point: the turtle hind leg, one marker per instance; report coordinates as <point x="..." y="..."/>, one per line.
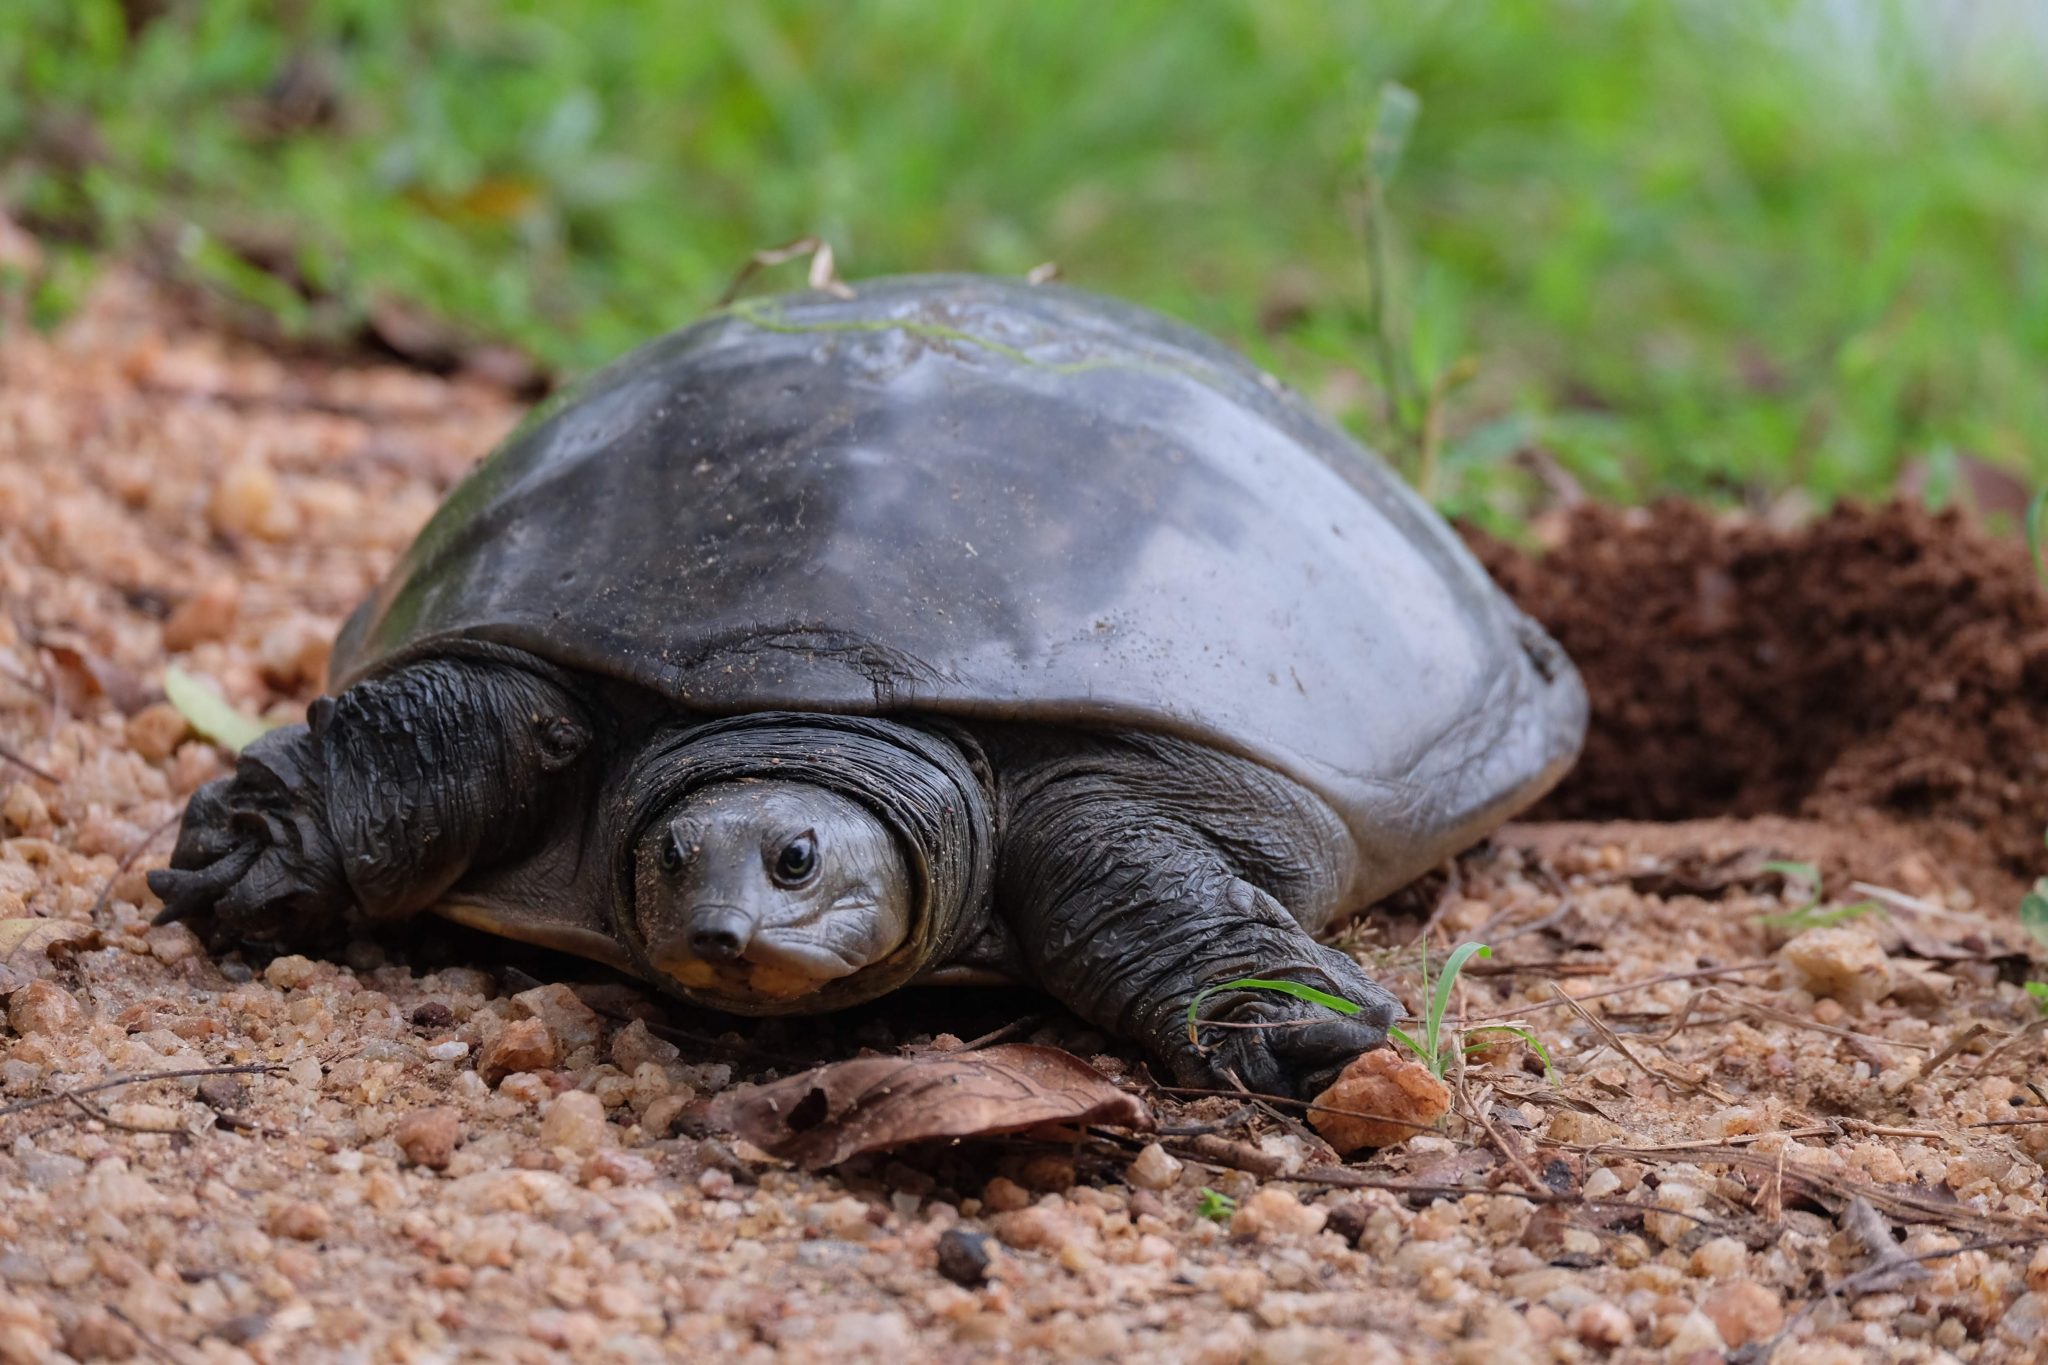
<point x="388" y="795"/>
<point x="1130" y="900"/>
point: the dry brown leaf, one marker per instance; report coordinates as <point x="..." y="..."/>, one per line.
<point x="81" y="675"/>
<point x="869" y="1104"/>
<point x="25" y="945"/>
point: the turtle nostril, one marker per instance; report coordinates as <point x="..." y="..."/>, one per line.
<point x="715" y="945"/>
<point x="719" y="933"/>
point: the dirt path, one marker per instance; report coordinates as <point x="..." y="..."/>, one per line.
<point x="1781" y="1129"/>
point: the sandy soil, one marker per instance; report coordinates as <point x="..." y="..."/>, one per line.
<point x="1767" y="1137"/>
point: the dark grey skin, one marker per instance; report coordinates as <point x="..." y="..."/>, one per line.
<point x="1083" y="654"/>
<point x="1134" y="871"/>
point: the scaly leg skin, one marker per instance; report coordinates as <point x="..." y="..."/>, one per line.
<point x="1125" y="882"/>
<point x="389" y="794"/>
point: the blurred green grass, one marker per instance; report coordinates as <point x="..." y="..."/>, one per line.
<point x="1716" y="247"/>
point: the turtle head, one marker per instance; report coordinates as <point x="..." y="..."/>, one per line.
<point x="769" y="887"/>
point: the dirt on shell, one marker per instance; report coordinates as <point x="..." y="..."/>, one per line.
<point x="1883" y="669"/>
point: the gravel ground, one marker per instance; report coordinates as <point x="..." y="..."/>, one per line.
<point x="1807" y="1142"/>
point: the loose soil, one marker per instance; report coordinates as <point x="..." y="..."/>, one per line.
<point x="1774" y="1129"/>
<point x="1883" y="669"/>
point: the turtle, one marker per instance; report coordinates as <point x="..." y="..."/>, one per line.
<point x="945" y="630"/>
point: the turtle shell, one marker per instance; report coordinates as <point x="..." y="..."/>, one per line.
<point x="987" y="499"/>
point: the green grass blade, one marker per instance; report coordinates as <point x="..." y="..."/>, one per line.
<point x="1407" y="1040"/>
<point x="2036" y="505"/>
<point x="1440" y="998"/>
<point x="1526" y="1035"/>
<point x="208" y="714"/>
<point x="2034" y="910"/>
<point x="1254" y="983"/>
<point x="2039" y="990"/>
<point x="1393" y="121"/>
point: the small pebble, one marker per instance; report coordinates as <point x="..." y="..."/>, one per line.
<point x="1841" y="963"/>
<point x="963" y="1256"/>
<point x="99" y="1335"/>
<point x="207" y="615"/>
<point x="1002" y="1195"/>
<point x="522" y="1045"/>
<point x="1719" y="1258"/>
<point x="1601" y="1324"/>
<point x="1274" y="1212"/>
<point x="434" y="1014"/>
<point x="301" y="1220"/>
<point x="43" y="1007"/>
<point x="1348" y="1220"/>
<point x="1743" y="1311"/>
<point x="249" y="502"/>
<point x="576" y="1120"/>
<point x="156" y="731"/>
<point x="571" y="1023"/>
<point x="1401" y="1094"/>
<point x="1695" y="1332"/>
<point x="635" y="1046"/>
<point x="428" y="1136"/>
<point x="290" y="972"/>
<point x="448" y="1050"/>
<point x="1154" y="1169"/>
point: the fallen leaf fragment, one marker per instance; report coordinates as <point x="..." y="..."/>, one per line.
<point x="1399" y="1094"/>
<point x="870" y="1104"/>
<point x="25" y="945"/>
<point x="209" y="714"/>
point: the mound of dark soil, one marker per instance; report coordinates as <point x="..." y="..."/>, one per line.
<point x="1880" y="661"/>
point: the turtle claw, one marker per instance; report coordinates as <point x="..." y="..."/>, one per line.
<point x="253" y="858"/>
<point x="1271" y="1044"/>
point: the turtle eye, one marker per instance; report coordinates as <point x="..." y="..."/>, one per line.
<point x="671" y="855"/>
<point x="798" y="861"/>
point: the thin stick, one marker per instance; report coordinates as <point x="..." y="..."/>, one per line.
<point x="1308" y="1105"/>
<point x="8" y="755"/>
<point x="1961" y="1039"/>
<point x="139" y="1078"/>
<point x="1014" y="1028"/>
<point x="129" y="860"/>
<point x="1791" y="1020"/>
<point x="2010" y="1043"/>
<point x="1699" y="975"/>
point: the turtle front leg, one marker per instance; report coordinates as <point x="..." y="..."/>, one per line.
<point x="388" y="795"/>
<point x="1127" y="909"/>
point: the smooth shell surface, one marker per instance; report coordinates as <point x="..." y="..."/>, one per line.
<point x="989" y="499"/>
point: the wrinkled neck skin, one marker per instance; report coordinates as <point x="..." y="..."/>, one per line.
<point x="786" y="863"/>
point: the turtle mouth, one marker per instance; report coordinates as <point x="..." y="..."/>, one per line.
<point x="768" y="968"/>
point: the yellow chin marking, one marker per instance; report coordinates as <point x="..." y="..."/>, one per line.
<point x="780" y="983"/>
<point x="761" y="979"/>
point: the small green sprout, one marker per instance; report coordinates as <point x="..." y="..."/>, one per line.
<point x="2039" y="990"/>
<point x="1811" y="915"/>
<point x="1215" y="1206"/>
<point x="1431" y="1047"/>
<point x="2034" y="910"/>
